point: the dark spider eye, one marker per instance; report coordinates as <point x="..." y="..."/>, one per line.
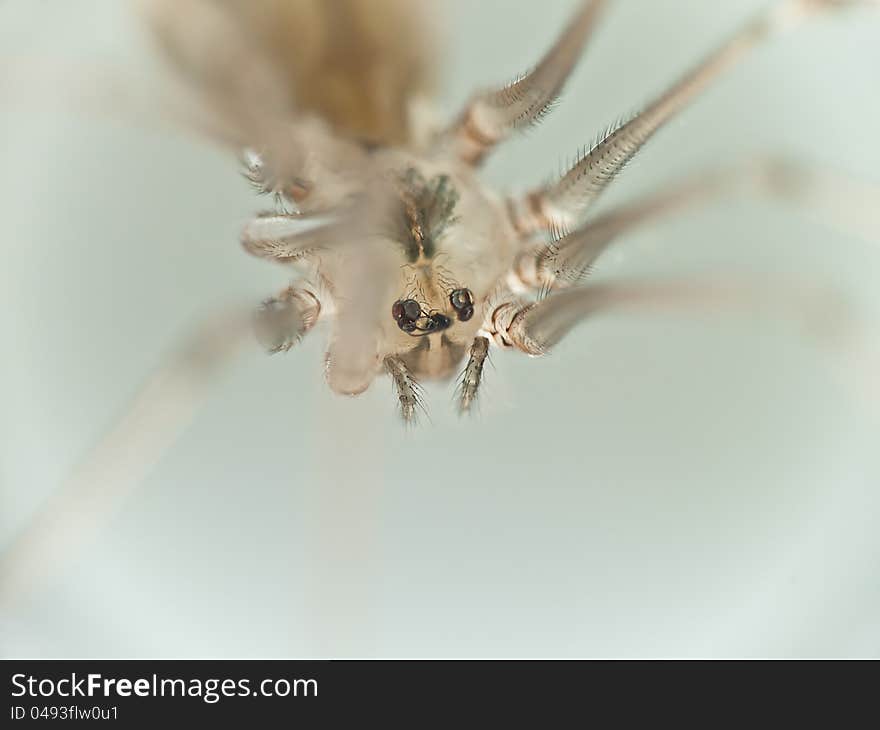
<point x="439" y="322"/>
<point x="406" y="309"/>
<point x="461" y="298"/>
<point x="406" y="313"/>
<point x="412" y="309"/>
<point x="462" y="301"/>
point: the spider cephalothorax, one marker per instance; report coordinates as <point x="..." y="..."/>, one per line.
<point x="428" y="210"/>
<point x="411" y="258"/>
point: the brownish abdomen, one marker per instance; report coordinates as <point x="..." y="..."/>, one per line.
<point x="360" y="64"/>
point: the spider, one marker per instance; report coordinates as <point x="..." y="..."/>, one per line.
<point x="380" y="214"/>
<point x="416" y="264"/>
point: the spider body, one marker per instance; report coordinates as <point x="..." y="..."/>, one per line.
<point x="395" y="240"/>
<point x="437" y="241"/>
<point x="456" y="239"/>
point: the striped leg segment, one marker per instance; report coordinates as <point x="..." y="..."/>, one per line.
<point x="282" y="321"/>
<point x="408" y="392"/>
<point x="494" y="115"/>
<point x="564" y="202"/>
<point x="536" y="327"/>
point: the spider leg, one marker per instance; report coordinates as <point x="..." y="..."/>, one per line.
<point x="281" y="322"/>
<point x="563" y="203"/>
<point x="843" y="202"/>
<point x="302" y="164"/>
<point x="243" y="99"/>
<point x="407" y="388"/>
<point x="121" y="459"/>
<point x="287" y="238"/>
<point x="472" y="376"/>
<point x="536" y="327"/>
<point x="568" y="258"/>
<point x="491" y="116"/>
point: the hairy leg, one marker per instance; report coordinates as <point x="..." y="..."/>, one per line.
<point x="472" y="377"/>
<point x="565" y="201"/>
<point x="407" y="388"/>
<point x="491" y="116"/>
<point x="843" y="202"/>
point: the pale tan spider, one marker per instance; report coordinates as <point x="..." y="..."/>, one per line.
<point x="397" y="242"/>
<point x="417" y="266"/>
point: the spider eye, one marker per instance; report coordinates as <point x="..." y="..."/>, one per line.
<point x="412" y="309"/>
<point x="406" y="313"/>
<point x="462" y="301"/>
<point x="461" y="298"/>
<point x="439" y="322"/>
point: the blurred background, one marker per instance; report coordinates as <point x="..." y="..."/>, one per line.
<point x="667" y="485"/>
